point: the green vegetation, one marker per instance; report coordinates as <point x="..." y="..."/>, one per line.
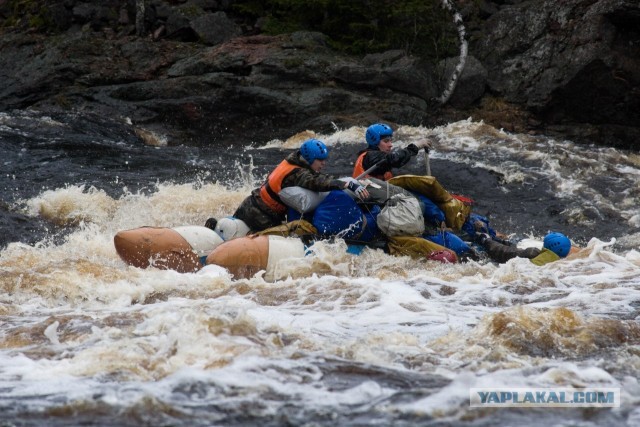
<point x="420" y="27"/>
<point x="28" y="14"/>
<point x="191" y="11"/>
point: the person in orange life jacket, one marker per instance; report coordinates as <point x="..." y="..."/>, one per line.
<point x="264" y="209"/>
<point x="379" y="151"/>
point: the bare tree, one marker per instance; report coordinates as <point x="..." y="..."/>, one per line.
<point x="457" y="19"/>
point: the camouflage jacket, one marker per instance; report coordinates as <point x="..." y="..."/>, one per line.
<point x="305" y="177"/>
<point x="258" y="216"/>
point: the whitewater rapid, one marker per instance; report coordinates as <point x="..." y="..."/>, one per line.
<point x="336" y="339"/>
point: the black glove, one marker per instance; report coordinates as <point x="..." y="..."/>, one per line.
<point x="211" y="223"/>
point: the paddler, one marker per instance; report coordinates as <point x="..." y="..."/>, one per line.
<point x="264" y="209"/>
<point x="554" y="247"/>
<point x="379" y="151"/>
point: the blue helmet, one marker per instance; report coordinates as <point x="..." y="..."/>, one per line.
<point x="376" y="132"/>
<point x="557" y="243"/>
<point x="313" y="149"/>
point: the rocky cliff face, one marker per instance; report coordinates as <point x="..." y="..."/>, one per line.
<point x="574" y="64"/>
<point x="198" y="75"/>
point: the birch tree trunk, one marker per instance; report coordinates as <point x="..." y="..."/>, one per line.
<point x="453" y="80"/>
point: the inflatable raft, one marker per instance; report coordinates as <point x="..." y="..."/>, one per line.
<point x="332" y="214"/>
<point x="245" y="256"/>
<point x="187" y="249"/>
<point x="179" y="248"/>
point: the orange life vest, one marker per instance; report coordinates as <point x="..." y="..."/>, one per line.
<point x="272" y="186"/>
<point x="358" y="169"/>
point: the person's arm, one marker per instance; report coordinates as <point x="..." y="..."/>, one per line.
<point x="401" y="156"/>
<point x="314" y="181"/>
<point x="374" y="157"/>
<point x="398" y="157"/>
<point x="502" y="253"/>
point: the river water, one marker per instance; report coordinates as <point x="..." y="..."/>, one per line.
<point x="338" y="339"/>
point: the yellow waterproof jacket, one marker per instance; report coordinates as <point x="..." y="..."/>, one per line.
<point x="545" y="257"/>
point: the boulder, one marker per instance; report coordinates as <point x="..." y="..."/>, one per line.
<point x="571" y="67"/>
<point x="573" y="63"/>
<point x="215" y="28"/>
<point x="470" y="85"/>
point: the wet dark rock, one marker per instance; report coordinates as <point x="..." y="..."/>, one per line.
<point x="569" y="68"/>
<point x="471" y="83"/>
<point x="446" y="290"/>
<point x="400" y="73"/>
<point x="338" y="374"/>
<point x="425" y="294"/>
<point x="215" y="28"/>
<point x="572" y="63"/>
<point x="486" y="9"/>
